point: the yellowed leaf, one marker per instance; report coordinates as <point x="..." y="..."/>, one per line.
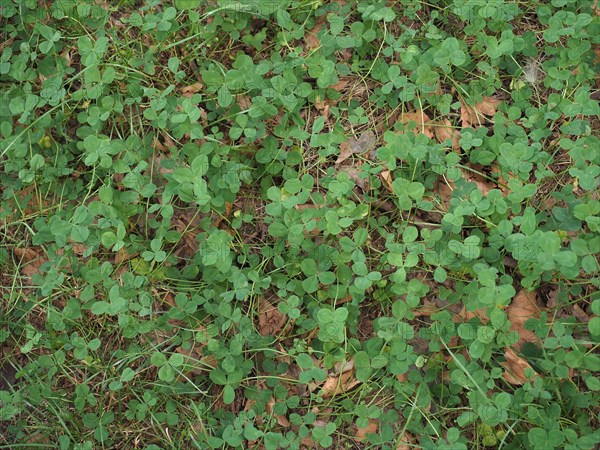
<point x="524" y="306"/>
<point x="514" y="368"/>
<point x="361" y="433"/>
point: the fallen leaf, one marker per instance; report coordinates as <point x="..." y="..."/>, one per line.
<point x="579" y="313"/>
<point x="340" y="85"/>
<point x="196" y="362"/>
<point x="386" y="177"/>
<point x="323" y="107"/>
<point x="476" y="115"/>
<point x="339" y="384"/>
<point x="482" y="182"/>
<point x="354" y="173"/>
<point x="402" y="377"/>
<point x="426" y="309"/>
<point x="189" y="91"/>
<point x="524" y="306"/>
<point x="343" y="366"/>
<point x="270" y="320"/>
<point x="423" y="125"/>
<point x="444" y="130"/>
<point x="445" y="187"/>
<point x="466" y="315"/>
<point x="244" y="101"/>
<point x="281" y="420"/>
<point x="31" y="259"/>
<point x="406" y="442"/>
<point x="311" y="41"/>
<point x="515" y="366"/>
<point x="307" y="442"/>
<point x="365" y="143"/>
<point x="361" y="433"/>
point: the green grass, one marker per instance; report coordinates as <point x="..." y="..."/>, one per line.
<point x="299" y="224"/>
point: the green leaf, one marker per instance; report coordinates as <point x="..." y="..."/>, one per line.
<point x="166" y="373"/>
<point x="158" y="359"/>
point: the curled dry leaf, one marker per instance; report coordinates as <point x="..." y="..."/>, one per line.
<point x="423" y="123"/>
<point x="523" y="307"/>
<point x="476" y="115"/>
<point x="386" y="177"/>
<point x="361" y="433"/>
<point x="515" y="366"/>
<point x="365" y="143"/>
<point x="270" y="320"/>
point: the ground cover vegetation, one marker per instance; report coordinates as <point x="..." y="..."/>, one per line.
<point x="295" y="224"/>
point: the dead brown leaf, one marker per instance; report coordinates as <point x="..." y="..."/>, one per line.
<point x="482" y="182"/>
<point x="311" y="41"/>
<point x="343" y="366"/>
<point x="270" y="320"/>
<point x="579" y="313"/>
<point x="423" y="123"/>
<point x="477" y="114"/>
<point x="354" y="173"/>
<point x="339" y="384"/>
<point x="523" y="307"/>
<point x="340" y="85"/>
<point x="426" y="309"/>
<point x="444" y="131"/>
<point x="515" y="366"/>
<point x="361" y="433"/>
<point x="365" y="143"/>
<point x="189" y="91"/>
<point x="281" y="420"/>
<point x="323" y="107"/>
<point x="31" y="259"/>
<point x="445" y="187"/>
<point x="466" y="315"/>
<point x="402" y="377"/>
<point x="406" y="442"/>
